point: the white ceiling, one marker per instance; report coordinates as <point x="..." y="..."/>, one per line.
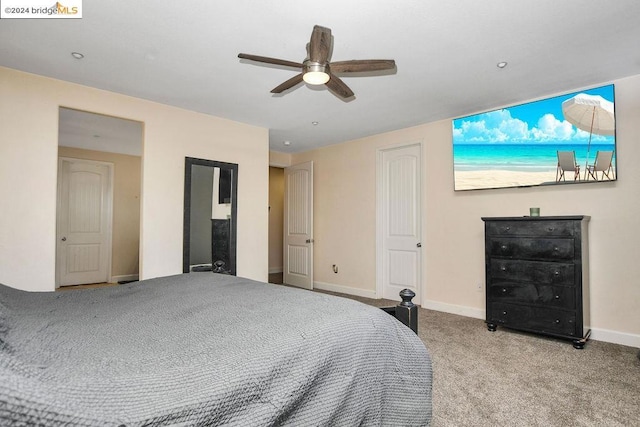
<point x="185" y="54"/>
<point x="90" y="131"/>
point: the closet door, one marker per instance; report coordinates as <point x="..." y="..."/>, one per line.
<point x="83" y="250"/>
<point x="298" y="226"/>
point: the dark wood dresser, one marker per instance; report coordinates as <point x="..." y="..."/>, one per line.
<point x="537" y="275"/>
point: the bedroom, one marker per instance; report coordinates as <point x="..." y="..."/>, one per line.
<point x="452" y="229"/>
<point x="452" y="220"/>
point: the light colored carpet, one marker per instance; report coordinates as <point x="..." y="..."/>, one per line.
<point x="506" y="378"/>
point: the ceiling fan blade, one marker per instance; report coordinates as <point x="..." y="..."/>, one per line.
<point x="268" y="60"/>
<point x="362" y="65"/>
<point x="288" y="84"/>
<point x="339" y="87"/>
<point x="320" y="44"/>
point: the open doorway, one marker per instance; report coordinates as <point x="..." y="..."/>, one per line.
<point x="87" y="144"/>
<point x="276" y="220"/>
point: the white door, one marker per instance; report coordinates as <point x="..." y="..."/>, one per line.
<point x="83" y="250"/>
<point x="298" y="226"/>
<point x="399" y="218"/>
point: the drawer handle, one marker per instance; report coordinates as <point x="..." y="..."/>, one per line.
<point x="503" y="268"/>
<point x="504" y="313"/>
<point x="556" y="249"/>
<point x="503" y="247"/>
<point x="507" y="228"/>
<point x="504" y="290"/>
<point x="551" y="228"/>
<point x="556" y="273"/>
<point x="557" y="321"/>
<point x="557" y="296"/>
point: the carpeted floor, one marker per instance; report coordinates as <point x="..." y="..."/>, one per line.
<point x="506" y="378"/>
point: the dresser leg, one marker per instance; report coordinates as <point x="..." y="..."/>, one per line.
<point x="492" y="327"/>
<point x="580" y="342"/>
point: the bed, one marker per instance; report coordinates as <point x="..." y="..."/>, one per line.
<point x="206" y="349"/>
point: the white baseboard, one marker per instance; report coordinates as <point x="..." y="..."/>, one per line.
<point x="461" y="310"/>
<point x="615" y="337"/>
<point x="345" y="290"/>
<point x="124" y="277"/>
<point x="273" y="270"/>
<point x="597" y="334"/>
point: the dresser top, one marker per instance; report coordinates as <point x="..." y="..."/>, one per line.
<point x="537" y="218"/>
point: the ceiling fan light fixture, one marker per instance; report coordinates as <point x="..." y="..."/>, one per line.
<point x="316" y="69"/>
<point x="315" y="73"/>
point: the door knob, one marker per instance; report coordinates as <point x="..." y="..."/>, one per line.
<point x="64" y="239"/>
<point x="419" y="245"/>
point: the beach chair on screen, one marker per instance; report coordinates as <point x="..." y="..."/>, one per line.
<point x="567" y="164"/>
<point x="603" y="164"/>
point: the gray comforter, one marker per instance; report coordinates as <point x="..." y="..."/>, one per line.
<point x="206" y="349"/>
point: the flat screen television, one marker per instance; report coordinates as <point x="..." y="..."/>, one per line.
<point x="567" y="139"/>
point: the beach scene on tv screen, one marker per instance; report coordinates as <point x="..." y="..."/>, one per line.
<point x="554" y="141"/>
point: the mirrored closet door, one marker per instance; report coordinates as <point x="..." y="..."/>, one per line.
<point x="210" y="216"/>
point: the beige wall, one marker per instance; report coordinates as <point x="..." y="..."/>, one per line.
<point x="126" y="207"/>
<point x="344" y="211"/>
<point x="453" y="241"/>
<point x="281" y="160"/>
<point x="28" y="167"/>
<point x="276" y="218"/>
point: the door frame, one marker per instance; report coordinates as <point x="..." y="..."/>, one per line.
<point x="380" y="213"/>
<point x="108" y="208"/>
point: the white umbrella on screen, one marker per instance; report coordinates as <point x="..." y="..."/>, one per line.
<point x="591" y="113"/>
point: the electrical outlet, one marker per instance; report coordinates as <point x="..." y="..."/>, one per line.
<point x="479" y="287"/>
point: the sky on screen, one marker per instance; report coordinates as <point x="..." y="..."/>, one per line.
<point x="535" y="122"/>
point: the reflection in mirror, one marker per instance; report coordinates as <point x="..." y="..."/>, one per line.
<point x="210" y="216"/>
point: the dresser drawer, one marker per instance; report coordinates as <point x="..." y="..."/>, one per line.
<point x="529" y="248"/>
<point x="531" y="293"/>
<point x="556" y="273"/>
<point x="531" y="228"/>
<point x="538" y="319"/>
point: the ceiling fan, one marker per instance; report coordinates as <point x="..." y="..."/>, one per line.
<point x="316" y="68"/>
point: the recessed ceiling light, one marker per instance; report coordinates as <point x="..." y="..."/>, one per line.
<point x="287" y="143"/>
<point x="502" y="64"/>
<point x="77" y="55"/>
<point x="315" y="123"/>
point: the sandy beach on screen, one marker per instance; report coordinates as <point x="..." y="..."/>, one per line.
<point x="469" y="180"/>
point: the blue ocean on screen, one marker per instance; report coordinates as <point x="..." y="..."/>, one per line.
<point x="520" y="157"/>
